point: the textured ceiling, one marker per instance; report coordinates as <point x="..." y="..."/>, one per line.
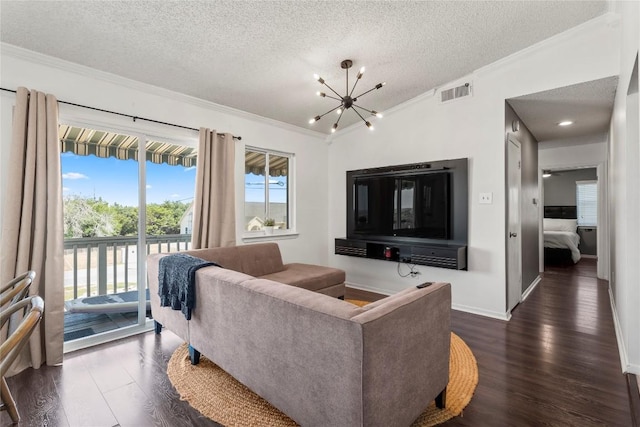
<point x="588" y="105"/>
<point x="260" y="56"/>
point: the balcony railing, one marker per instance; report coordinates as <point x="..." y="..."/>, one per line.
<point x="105" y="265"/>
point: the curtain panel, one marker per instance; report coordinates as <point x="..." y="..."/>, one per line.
<point x="32" y="227"/>
<point x="214" y="218"/>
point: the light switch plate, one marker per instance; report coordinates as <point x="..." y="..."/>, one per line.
<point x="486" y="198"/>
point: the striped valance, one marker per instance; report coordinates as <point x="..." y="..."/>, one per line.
<point x="83" y="142"/>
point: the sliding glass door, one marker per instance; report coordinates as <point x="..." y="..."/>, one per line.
<point x="117" y="210"/>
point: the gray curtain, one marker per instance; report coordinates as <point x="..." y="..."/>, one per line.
<point x="214" y="218"/>
<point x="32" y="227"/>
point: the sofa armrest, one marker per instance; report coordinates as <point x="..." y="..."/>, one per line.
<point x="406" y="345"/>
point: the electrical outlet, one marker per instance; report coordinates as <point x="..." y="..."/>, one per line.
<point x="486" y="198"/>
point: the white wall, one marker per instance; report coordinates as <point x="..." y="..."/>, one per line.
<point x="624" y="157"/>
<point x="424" y="130"/>
<point x="69" y="82"/>
<point x="572" y="152"/>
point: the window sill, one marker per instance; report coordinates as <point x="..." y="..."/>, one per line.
<point x="277" y="235"/>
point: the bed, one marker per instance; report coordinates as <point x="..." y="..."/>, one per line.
<point x="560" y="238"/>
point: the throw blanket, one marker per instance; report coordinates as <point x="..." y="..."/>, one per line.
<point x="176" y="281"/>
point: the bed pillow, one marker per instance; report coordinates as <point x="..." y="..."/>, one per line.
<point x="553" y="224"/>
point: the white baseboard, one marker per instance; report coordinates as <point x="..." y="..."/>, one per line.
<point x="482" y="312"/>
<point x="531" y="287"/>
<point x="634" y="369"/>
<point x="622" y="349"/>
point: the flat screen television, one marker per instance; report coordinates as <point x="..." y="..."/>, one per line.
<point x="399" y="202"/>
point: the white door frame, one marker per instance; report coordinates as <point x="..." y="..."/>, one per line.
<point x="513" y="237"/>
<point x="602" y="228"/>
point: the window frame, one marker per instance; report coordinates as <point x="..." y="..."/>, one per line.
<point x="291" y="211"/>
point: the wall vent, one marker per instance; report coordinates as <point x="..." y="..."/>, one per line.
<point x="451" y="94"/>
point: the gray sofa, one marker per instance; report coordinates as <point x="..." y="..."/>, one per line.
<point x="320" y="360"/>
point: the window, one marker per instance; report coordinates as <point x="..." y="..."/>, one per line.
<point x="267" y="184"/>
<point x="587" y="203"/>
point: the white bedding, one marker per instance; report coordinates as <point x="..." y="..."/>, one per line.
<point x="563" y="240"/>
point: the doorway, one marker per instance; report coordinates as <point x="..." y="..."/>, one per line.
<point x="570" y="210"/>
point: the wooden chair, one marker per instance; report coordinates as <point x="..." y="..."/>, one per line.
<point x="17" y="288"/>
<point x="15" y="342"/>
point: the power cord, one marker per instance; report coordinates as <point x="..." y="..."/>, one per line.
<point x="412" y="270"/>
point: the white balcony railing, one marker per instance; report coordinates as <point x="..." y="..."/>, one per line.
<point x="105" y="265"/>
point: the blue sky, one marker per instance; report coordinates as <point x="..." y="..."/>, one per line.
<point x="116" y="181"/>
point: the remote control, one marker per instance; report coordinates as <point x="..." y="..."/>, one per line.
<point x="424" y="285"/>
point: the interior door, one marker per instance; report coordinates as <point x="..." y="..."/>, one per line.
<point x="514" y="238"/>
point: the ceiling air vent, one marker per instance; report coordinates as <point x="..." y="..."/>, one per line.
<point x="448" y="95"/>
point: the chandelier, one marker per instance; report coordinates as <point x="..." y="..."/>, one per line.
<point x="348" y="100"/>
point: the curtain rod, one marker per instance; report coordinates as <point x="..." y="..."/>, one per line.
<point x="125" y="115"/>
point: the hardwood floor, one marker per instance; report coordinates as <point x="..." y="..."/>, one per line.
<point x="555" y="363"/>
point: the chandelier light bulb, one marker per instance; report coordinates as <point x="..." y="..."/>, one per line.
<point x="318" y="78"/>
<point x="376" y="113"/>
<point x="315" y="119"/>
<point x="339" y="111"/>
<point x="333" y="129"/>
<point x="369" y="125"/>
<point x="321" y="94"/>
<point x="360" y="73"/>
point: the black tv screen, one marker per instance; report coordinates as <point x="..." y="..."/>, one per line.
<point x="412" y="203"/>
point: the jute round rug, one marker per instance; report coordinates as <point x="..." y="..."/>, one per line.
<point x="220" y="397"/>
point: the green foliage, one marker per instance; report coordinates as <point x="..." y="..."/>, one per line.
<point x="86" y="217"/>
<point x="126" y="218"/>
<point x="269" y="222"/>
<point x="165" y="218"/>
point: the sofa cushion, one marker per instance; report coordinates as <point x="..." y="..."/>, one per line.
<point x="307" y="276"/>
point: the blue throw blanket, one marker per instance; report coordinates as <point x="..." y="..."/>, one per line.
<point x="176" y="281"/>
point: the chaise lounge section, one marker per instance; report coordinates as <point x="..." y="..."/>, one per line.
<point x="263" y="260"/>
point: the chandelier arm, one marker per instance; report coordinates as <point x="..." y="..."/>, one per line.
<point x="325" y="83"/>
<point x="360" y="116"/>
<point x="362" y="108"/>
<point x="339" y="117"/>
<point x="354" y="87"/>
<point x="378" y="86"/>
<point x="333" y="97"/>
<point x="330" y="111"/>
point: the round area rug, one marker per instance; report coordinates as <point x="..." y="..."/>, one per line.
<point x="220" y="397"/>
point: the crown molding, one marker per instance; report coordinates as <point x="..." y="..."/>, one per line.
<point x="609" y="19"/>
<point x="82" y="70"/>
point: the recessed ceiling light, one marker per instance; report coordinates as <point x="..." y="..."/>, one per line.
<point x="565" y="123"/>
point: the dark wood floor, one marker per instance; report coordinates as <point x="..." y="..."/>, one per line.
<point x="555" y="363"/>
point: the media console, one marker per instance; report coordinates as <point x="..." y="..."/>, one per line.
<point x="430" y="254"/>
